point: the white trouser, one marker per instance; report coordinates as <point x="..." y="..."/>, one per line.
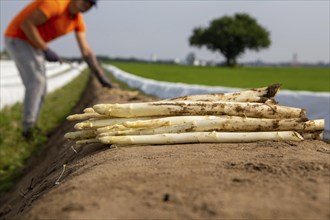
<point x="31" y="66"/>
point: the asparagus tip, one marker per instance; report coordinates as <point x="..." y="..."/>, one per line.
<point x="272" y="90"/>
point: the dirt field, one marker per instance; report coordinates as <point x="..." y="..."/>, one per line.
<point x="263" y="180"/>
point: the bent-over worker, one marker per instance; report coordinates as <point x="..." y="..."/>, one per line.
<point x="26" y="40"/>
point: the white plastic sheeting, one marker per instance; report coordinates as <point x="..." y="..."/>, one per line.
<point x="317" y="104"/>
<point x="12" y="89"/>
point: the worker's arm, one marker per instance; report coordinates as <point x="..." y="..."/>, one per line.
<point x="91" y="59"/>
<point x="29" y="27"/>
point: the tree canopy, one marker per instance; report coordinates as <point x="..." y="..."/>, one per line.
<point x="231" y="36"/>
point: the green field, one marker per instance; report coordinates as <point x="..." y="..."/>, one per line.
<point x="294" y="78"/>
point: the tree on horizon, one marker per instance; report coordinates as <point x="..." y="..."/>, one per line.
<point x="231" y="36"/>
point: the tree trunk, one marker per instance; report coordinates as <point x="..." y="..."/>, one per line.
<point x="231" y="62"/>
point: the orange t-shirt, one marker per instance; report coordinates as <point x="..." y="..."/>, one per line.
<point x="59" y="20"/>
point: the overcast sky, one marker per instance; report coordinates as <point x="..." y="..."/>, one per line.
<point x="143" y="28"/>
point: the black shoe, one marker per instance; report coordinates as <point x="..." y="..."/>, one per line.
<point x="30" y="133"/>
<point x="27" y="134"/>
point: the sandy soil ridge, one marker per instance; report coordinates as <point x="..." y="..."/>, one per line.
<point x="221" y="181"/>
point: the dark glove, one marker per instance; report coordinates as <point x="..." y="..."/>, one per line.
<point x="105" y="82"/>
<point x="51" y="55"/>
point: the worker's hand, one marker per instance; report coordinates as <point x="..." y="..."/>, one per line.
<point x="96" y="69"/>
<point x="51" y="55"/>
<point x="105" y="82"/>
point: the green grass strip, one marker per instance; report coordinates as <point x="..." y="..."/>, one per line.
<point x="14" y="150"/>
<point x="291" y="78"/>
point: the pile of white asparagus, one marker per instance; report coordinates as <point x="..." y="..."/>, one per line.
<point x="246" y="116"/>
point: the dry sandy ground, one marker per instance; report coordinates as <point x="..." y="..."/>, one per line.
<point x="262" y="180"/>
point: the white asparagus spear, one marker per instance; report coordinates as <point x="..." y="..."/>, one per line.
<point x="113" y="128"/>
<point x="154" y="122"/>
<point x="223" y="124"/>
<point x="82" y="134"/>
<point x="85" y="116"/>
<point x="222" y="97"/>
<point x="89" y="110"/>
<point x="267" y="92"/>
<point x="203" y="137"/>
<point x="257" y="124"/>
<point x="105" y="122"/>
<point x="182" y="128"/>
<point x="254" y="110"/>
<point x="230" y="123"/>
<point x="252" y="95"/>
